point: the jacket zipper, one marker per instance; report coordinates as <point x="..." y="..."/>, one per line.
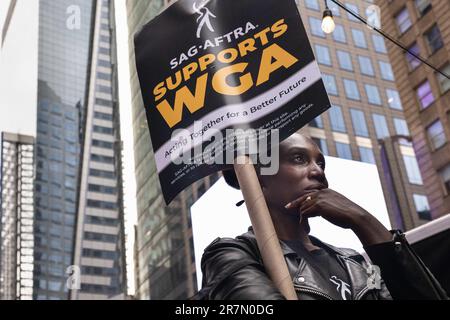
<point x="362" y="293"/>
<point x="308" y="290"/>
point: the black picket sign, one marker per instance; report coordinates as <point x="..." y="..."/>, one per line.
<point x="206" y="67"/>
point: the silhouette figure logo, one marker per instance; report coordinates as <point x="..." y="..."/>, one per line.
<point x="342" y="287"/>
<point x="204" y="18"/>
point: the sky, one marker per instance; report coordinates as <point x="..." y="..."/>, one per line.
<point x="127" y="136"/>
<point x="18" y="69"/>
<point x="3" y="8"/>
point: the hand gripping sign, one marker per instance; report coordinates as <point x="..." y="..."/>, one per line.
<point x="214" y="73"/>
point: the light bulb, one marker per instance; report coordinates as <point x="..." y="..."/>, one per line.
<point x="328" y="24"/>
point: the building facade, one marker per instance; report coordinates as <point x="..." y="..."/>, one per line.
<point x="16" y="216"/>
<point x="100" y="239"/>
<point x="165" y="262"/>
<point x="366" y="122"/>
<point x="423" y="27"/>
<point x="78" y="230"/>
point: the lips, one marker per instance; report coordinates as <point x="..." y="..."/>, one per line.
<point x="315" y="187"/>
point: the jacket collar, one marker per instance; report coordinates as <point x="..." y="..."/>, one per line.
<point x="352" y="260"/>
<point x="339" y="251"/>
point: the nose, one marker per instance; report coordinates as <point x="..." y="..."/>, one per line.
<point x="317" y="173"/>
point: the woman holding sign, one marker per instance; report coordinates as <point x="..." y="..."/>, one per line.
<point x="233" y="268"/>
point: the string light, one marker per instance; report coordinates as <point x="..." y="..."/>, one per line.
<point x="328" y="24"/>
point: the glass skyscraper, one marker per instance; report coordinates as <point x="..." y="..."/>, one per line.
<point x="79" y="214"/>
<point x="78" y="227"/>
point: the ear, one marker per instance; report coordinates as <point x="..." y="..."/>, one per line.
<point x="231" y="179"/>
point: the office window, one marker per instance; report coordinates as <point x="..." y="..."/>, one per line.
<point x="312" y="4"/>
<point x="444" y="82"/>
<point x="373" y="95"/>
<point x="103" y="102"/>
<point x="423" y="6"/>
<point x="322" y="145"/>
<point x="105" y="15"/>
<point x="105" y="51"/>
<point x="386" y="71"/>
<point x="434" y="39"/>
<point x="103" y="159"/>
<point x="367" y="155"/>
<point x="102" y="174"/>
<point x="102" y="204"/>
<point x="339" y="34"/>
<point x="378" y="43"/>
<point x="330" y="84"/>
<point x="381" y="127"/>
<point x="317" y="122"/>
<point x="365" y="64"/>
<point x="104" y="76"/>
<point x="337" y="119"/>
<point x="401" y="127"/>
<point x="359" y="123"/>
<point x="436" y="135"/>
<point x="316" y="27"/>
<point x="343" y="151"/>
<point x="412" y="170"/>
<point x="104" y="89"/>
<point x="105" y="39"/>
<point x="354" y="9"/>
<point x="334" y="8"/>
<point x="100" y="237"/>
<point x="323" y="55"/>
<point x="101" y="254"/>
<point x="422" y="207"/>
<point x="105" y="26"/>
<point x="445" y="176"/>
<point x="103" y="130"/>
<point x="413" y="62"/>
<point x="103" y="63"/>
<point x="425" y="95"/>
<point x="102" y="144"/>
<point x="345" y="60"/>
<point x="351" y="89"/>
<point x="101" y="220"/>
<point x="358" y="38"/>
<point x="103" y="116"/>
<point x="403" y="20"/>
<point x="394" y="99"/>
<point x="102" y="189"/>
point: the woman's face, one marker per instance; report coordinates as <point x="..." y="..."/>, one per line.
<point x="302" y="167"/>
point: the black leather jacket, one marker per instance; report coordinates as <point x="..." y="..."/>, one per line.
<point x="233" y="270"/>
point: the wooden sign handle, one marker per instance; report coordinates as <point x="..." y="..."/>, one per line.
<point x="265" y="233"/>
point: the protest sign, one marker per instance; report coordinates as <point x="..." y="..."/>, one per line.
<point x="206" y="67"/>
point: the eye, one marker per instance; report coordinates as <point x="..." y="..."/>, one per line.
<point x="300" y="158"/>
<point x="321" y="164"/>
